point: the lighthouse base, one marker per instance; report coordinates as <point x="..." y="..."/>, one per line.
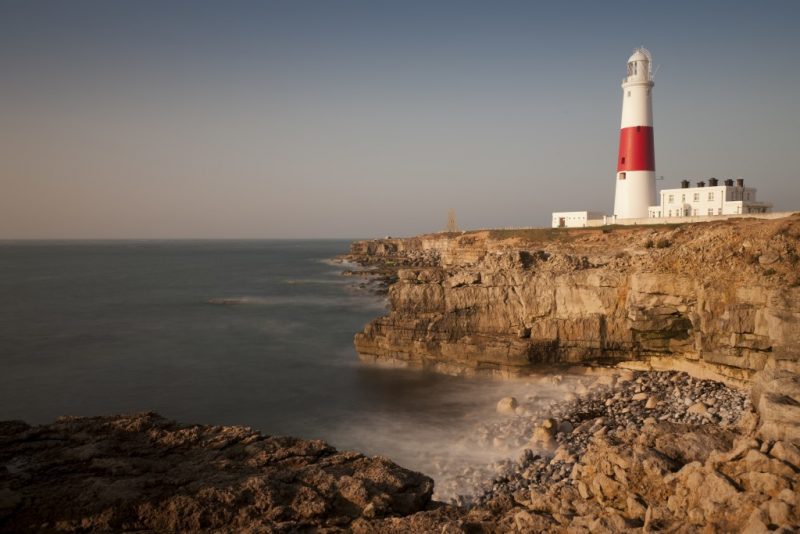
<point x="636" y="192"/>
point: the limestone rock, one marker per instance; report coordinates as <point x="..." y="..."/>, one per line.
<point x="698" y="408"/>
<point x="544" y="435"/>
<point x="786" y="452"/>
<point x="504" y="302"/>
<point x="507" y="405"/>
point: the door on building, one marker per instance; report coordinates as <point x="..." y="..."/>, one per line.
<point x="562" y="222"/>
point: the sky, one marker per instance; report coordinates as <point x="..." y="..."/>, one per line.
<point x="336" y="118"/>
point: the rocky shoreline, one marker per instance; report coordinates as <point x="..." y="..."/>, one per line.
<point x="142" y="472"/>
<point x="719" y="301"/>
<point x="679" y="407"/>
<point x="555" y="434"/>
<point x="623" y="451"/>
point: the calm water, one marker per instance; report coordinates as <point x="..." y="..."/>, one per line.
<point x="226" y="332"/>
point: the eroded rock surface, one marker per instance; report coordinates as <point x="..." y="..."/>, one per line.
<point x="623" y="467"/>
<point x="719" y="300"/>
<point x="143" y="472"/>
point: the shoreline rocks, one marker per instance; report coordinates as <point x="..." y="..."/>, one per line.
<point x="565" y="429"/>
<point x="143" y="472"/>
<point x="596" y="466"/>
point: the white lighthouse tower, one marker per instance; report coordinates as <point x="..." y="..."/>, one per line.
<point x="636" y="164"/>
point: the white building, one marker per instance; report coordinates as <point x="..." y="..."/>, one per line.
<point x="575" y="219"/>
<point x="702" y="200"/>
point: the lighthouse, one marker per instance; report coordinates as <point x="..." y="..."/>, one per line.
<point x="636" y="164"/>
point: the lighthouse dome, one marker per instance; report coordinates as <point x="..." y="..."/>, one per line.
<point x="640" y="54"/>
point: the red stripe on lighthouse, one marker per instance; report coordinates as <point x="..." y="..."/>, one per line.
<point x="636" y="152"/>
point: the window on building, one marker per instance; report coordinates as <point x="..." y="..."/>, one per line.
<point x="671" y="199"/>
<point x="629" y="93"/>
<point x="686" y="212"/>
<point x="711" y="195"/>
<point x="719" y="211"/>
<point x="711" y="211"/>
<point x="683" y="198"/>
<point x="622" y="160"/>
<point x="670" y="213"/>
<point x="697" y="197"/>
<point x="622" y="174"/>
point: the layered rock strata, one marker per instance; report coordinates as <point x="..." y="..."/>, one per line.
<point x="720" y="300"/>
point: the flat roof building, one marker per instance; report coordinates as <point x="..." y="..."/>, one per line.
<point x="574" y="219"/>
<point x="711" y="199"/>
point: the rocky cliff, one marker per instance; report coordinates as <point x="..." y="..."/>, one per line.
<point x="717" y="299"/>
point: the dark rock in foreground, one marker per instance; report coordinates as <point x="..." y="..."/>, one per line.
<point x="622" y="468"/>
<point x="144" y="472"/>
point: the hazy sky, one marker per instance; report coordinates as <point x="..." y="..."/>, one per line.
<point x="345" y="119"/>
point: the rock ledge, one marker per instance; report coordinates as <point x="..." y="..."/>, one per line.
<point x="144" y="472"/>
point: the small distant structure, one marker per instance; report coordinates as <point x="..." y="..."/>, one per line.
<point x="452" y="226"/>
<point x="575" y="219"/>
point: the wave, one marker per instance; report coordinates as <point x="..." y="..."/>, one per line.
<point x="235" y="301"/>
<point x="340" y="264"/>
<point x="456" y="435"/>
<point x="357" y="302"/>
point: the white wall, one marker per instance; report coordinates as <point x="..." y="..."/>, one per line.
<point x="634" y="194"/>
<point x="704" y="201"/>
<point x="575" y="219"/>
<point x="680" y="220"/>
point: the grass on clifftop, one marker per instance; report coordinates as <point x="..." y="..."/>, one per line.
<point x="569" y="234"/>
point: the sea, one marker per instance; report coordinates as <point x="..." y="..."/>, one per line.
<point x="256" y="333"/>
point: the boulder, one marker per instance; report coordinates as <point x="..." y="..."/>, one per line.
<point x="507" y="405"/>
<point x="544" y="435"/>
<point x="698" y="408"/>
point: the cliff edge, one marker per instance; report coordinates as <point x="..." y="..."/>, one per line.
<point x="719" y="300"/>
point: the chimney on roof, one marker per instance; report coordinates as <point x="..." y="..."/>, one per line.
<point x="729" y="182"/>
<point x="684" y="184"/>
<point x="713" y="182"/>
<point x="740" y="182"/>
<point x="701" y="183"/>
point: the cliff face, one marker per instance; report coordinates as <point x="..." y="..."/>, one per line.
<point x="720" y="299"/>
